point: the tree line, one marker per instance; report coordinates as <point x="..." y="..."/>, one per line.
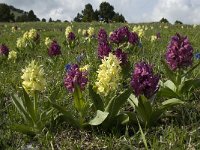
<point x="105" y="13"/>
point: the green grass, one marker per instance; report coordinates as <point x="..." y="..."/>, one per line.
<point x="178" y="129"/>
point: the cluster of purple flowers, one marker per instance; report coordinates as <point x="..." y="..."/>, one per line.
<point x="103" y="46"/>
<point x="75" y="77"/>
<point x="122" y="35"/>
<point x="122" y="56"/>
<point x="54" y="49"/>
<point x="71" y="36"/>
<point x="4" y="50"/>
<point x="143" y="81"/>
<point x="179" y="52"/>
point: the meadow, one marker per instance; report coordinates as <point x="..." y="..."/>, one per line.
<point x="177" y="128"/>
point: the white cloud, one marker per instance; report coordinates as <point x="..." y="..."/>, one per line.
<point x="186" y="11"/>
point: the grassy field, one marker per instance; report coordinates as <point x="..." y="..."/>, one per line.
<point x="177" y="129"/>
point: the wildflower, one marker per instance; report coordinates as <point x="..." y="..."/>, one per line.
<point x="139" y="30"/>
<point x="79" y="31"/>
<point x="120" y="35"/>
<point x="71" y="36"/>
<point x="179" y="52"/>
<point x="20" y="42"/>
<point x="85" y="33"/>
<point x="75" y="77"/>
<point x="12" y="55"/>
<point x="48" y="41"/>
<point x="33" y="35"/>
<point x="103" y="49"/>
<point x="67" y="31"/>
<point x="102" y="36"/>
<point x="85" y="68"/>
<point x="133" y="38"/>
<point x="90" y="31"/>
<point x="197" y="56"/>
<point x="33" y="78"/>
<point x="143" y="81"/>
<point x="108" y="77"/>
<point x="122" y="56"/>
<point x="158" y="36"/>
<point x="67" y="67"/>
<point x="153" y="38"/>
<point x="54" y="49"/>
<point x="13" y="29"/>
<point x="4" y="50"/>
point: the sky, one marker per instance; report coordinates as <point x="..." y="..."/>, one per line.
<point x="134" y="11"/>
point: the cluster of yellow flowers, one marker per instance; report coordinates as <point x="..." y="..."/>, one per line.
<point x="28" y="36"/>
<point x="140" y="30"/>
<point x="153" y="38"/>
<point x="109" y="77"/>
<point x="47" y="41"/>
<point x="85" y="68"/>
<point x="12" y="55"/>
<point x="68" y="30"/>
<point x="33" y="78"/>
<point x="90" y="31"/>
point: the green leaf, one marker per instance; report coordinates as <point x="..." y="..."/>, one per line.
<point x="144" y="109"/>
<point x="122" y="118"/>
<point x="97" y="101"/>
<point x="167" y="92"/>
<point x="143" y="136"/>
<point x="168" y="72"/>
<point x="99" y="118"/>
<point x="54" y="95"/>
<point x="29" y="105"/>
<point x="191" y="69"/>
<point x="67" y="114"/>
<point x="116" y="103"/>
<point x="133" y="101"/>
<point x="24" y="129"/>
<point x="79" y="103"/>
<point x="20" y="107"/>
<point x="171" y="102"/>
<point x="170" y="85"/>
<point x="190" y="85"/>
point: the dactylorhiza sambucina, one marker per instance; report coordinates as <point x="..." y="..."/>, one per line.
<point x="109" y="75"/>
<point x="143" y="81"/>
<point x="4" y="50"/>
<point x="75" y="77"/>
<point x="33" y="78"/>
<point x="102" y="36"/>
<point x="179" y="53"/>
<point x="54" y="49"/>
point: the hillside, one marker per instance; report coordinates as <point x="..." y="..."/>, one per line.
<point x="10" y="13"/>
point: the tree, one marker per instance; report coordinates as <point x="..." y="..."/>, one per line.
<point x="106" y="11"/>
<point x="118" y="18"/>
<point x="78" y="18"/>
<point x="5" y="15"/>
<point x="88" y="13"/>
<point x="32" y="17"/>
<point x="164" y="20"/>
<point x="50" y="20"/>
<point x="96" y="15"/>
<point x="178" y="22"/>
<point x="43" y="20"/>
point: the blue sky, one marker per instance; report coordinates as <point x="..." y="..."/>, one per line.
<point x="187" y="11"/>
